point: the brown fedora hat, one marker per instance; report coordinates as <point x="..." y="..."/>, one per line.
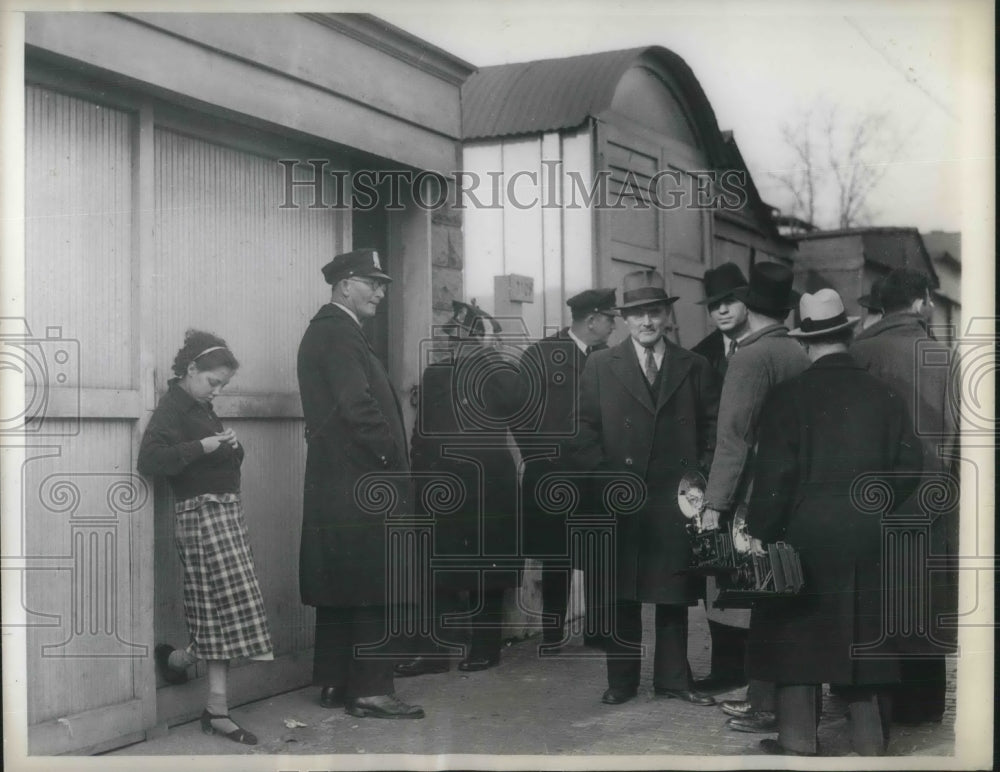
<point x="644" y="288"/>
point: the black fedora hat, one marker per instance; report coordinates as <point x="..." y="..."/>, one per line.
<point x="643" y="288"/>
<point x="720" y="282"/>
<point x="873" y="300"/>
<point x="769" y="290"/>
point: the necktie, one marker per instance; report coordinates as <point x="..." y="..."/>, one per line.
<point x="650" y="366"/>
<point x="733" y="345"/>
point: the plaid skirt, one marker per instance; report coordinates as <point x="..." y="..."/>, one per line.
<point x="222" y="600"/>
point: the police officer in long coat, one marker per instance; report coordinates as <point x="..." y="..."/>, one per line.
<point x="831" y="441"/>
<point x="354" y="427"/>
<point x="551" y="369"/>
<point x="466" y="402"/>
<point x="647" y="411"/>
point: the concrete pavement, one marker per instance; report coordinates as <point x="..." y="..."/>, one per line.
<point x="527" y="705"/>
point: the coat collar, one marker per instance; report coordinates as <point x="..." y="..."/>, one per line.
<point x="772" y="330"/>
<point x="840" y="361"/>
<point x="901" y="322"/>
<point x="332" y="311"/>
<point x="625" y="365"/>
<point x="182" y="399"/>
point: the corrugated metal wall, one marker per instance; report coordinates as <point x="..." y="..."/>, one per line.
<point x="79" y="277"/>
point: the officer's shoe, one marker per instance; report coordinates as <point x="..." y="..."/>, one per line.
<point x="760" y="722"/>
<point x="774" y="748"/>
<point x="331" y="697"/>
<point x="383" y="706"/>
<point x="719" y="683"/>
<point x="421" y="666"/>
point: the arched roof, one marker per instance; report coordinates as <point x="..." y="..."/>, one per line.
<point x="552" y="94"/>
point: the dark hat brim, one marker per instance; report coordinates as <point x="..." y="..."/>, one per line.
<point x="333" y="278"/>
<point x="718" y="296"/>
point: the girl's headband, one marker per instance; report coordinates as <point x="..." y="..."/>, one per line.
<point x="209" y="351"/>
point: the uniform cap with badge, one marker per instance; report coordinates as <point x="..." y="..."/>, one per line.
<point x="593" y="301"/>
<point x="468" y="320"/>
<point x="363" y="263"/>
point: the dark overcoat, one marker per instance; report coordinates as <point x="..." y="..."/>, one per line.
<point x="461" y="430"/>
<point x="713" y="348"/>
<point x="354" y="427"/>
<point x="623" y="428"/>
<point x="899" y="351"/>
<point x="551" y="369"/>
<point x="819" y="432"/>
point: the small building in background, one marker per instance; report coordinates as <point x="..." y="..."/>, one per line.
<point x="558" y="154"/>
<point x="850" y="260"/>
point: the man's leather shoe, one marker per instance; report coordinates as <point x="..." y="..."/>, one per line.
<point x="736" y="708"/>
<point x="331" y="697"/>
<point x="714" y="683"/>
<point x="688" y="695"/>
<point x="472" y="664"/>
<point x="383" y="706"/>
<point x="774" y="748"/>
<point x="422" y="666"/>
<point x="615" y="696"/>
<point x="759" y="722"/>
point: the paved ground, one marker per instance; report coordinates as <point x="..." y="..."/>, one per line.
<point x="525" y="706"/>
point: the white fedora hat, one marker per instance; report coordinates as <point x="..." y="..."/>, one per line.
<point x="822" y="313"/>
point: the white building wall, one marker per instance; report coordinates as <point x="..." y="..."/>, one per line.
<point x="540" y="228"/>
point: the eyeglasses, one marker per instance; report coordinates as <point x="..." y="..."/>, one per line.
<point x="373" y="284"/>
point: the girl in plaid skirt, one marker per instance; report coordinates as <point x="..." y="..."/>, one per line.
<point x="186" y="442"/>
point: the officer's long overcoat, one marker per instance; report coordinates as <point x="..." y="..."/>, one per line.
<point x="819" y="433"/>
<point x="462" y="419"/>
<point x="624" y="429"/>
<point x="354" y="427"/>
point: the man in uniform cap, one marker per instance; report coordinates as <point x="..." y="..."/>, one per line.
<point x="554" y="365"/>
<point x="354" y="426"/>
<point x="647" y="414"/>
<point x="464" y="402"/>
<point x="765" y="357"/>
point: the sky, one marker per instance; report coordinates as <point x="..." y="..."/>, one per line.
<point x="762" y="65"/>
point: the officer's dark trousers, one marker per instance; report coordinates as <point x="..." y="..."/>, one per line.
<point x="338" y="631"/>
<point x="482" y="626"/>
<point x="624" y="656"/>
<point x="800" y="705"/>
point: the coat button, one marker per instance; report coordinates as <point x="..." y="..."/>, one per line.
<point x="684" y="462"/>
<point x="628" y="422"/>
<point x="628" y="462"/>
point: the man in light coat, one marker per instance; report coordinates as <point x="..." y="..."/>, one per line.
<point x="764" y="358"/>
<point x="647" y="412"/>
<point x="354" y="426"/>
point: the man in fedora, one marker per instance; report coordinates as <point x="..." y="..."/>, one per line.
<point x="354" y="426"/>
<point x="555" y="364"/>
<point x="901" y="352"/>
<point x="766" y="356"/>
<point x="729" y="314"/>
<point x="647" y="410"/>
<point x="820" y="432"/>
<point x="727" y="629"/>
